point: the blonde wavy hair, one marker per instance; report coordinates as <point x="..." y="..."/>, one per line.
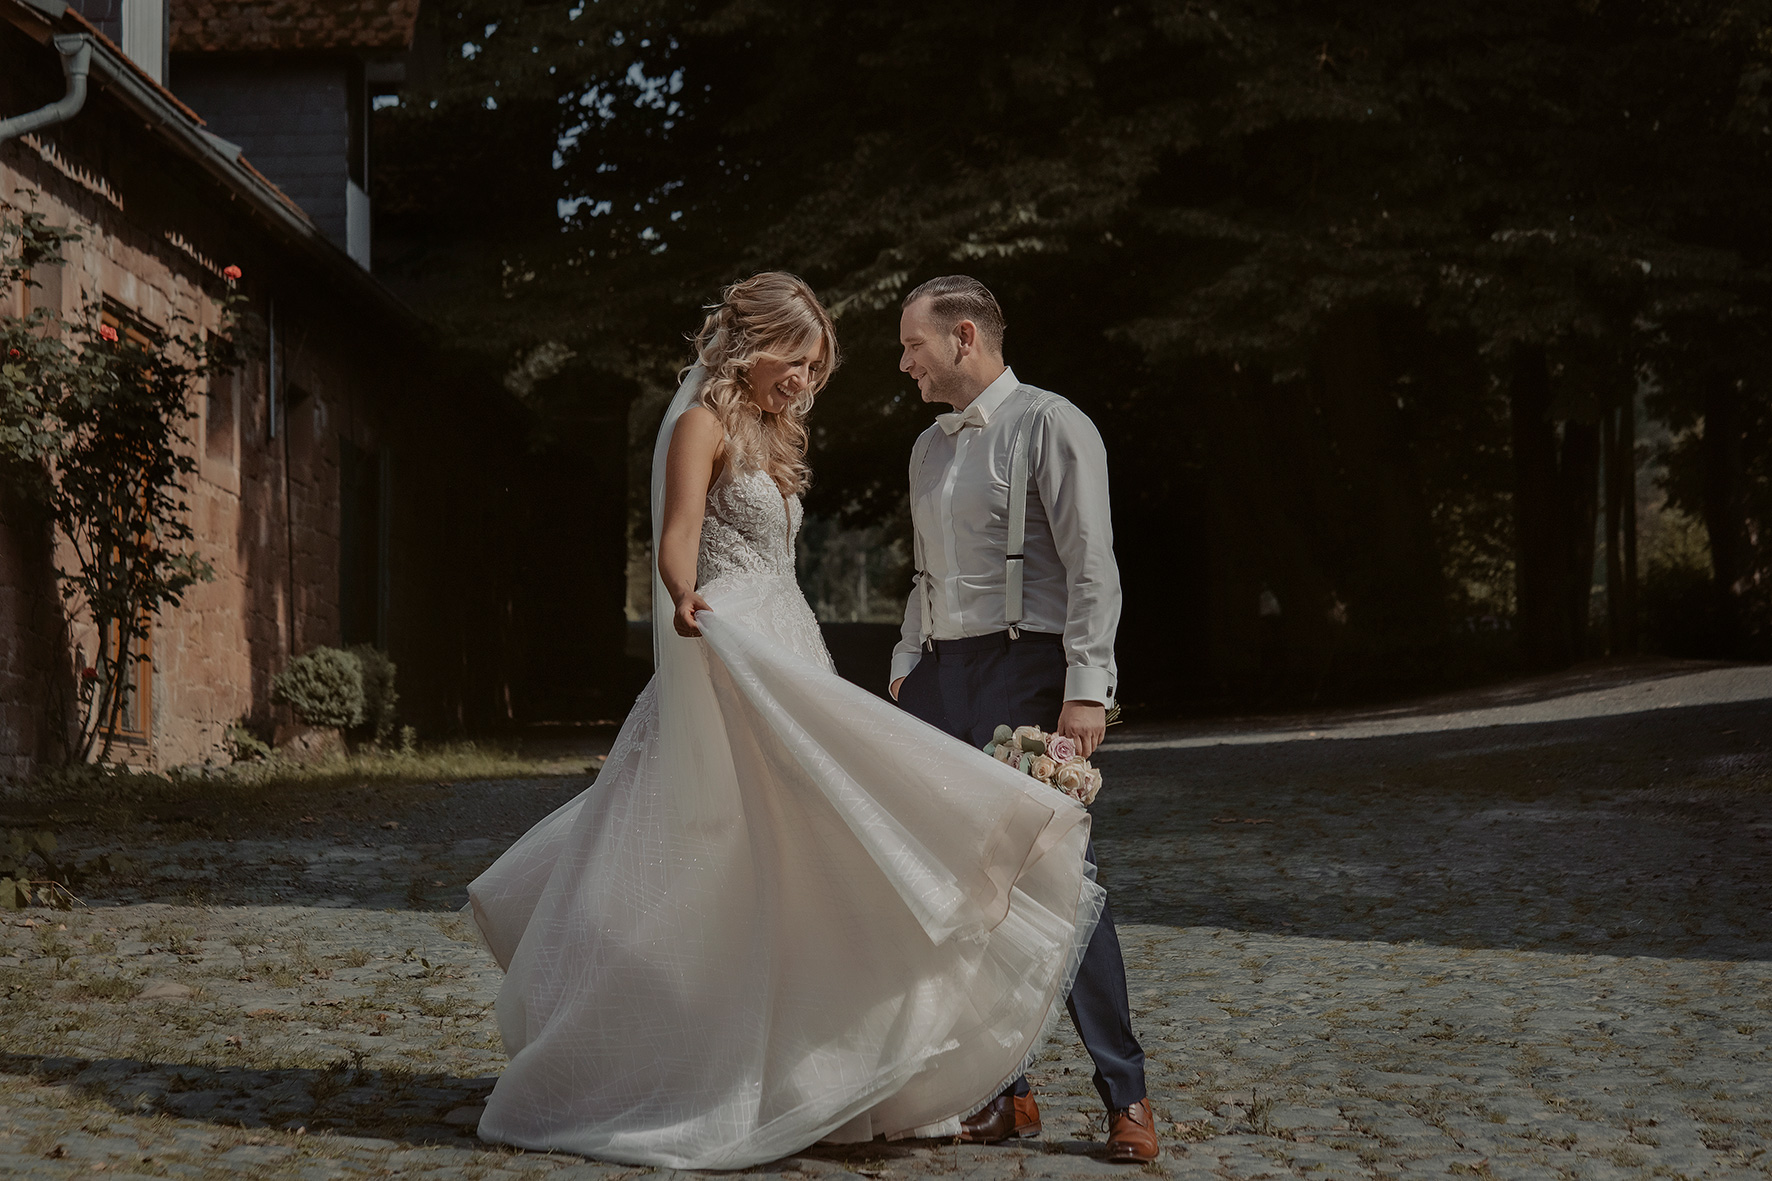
<point x="773" y="316"/>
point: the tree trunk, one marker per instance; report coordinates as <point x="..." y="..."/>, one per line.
<point x="1619" y="446"/>
<point x="1627" y="500"/>
<point x="1556" y="502"/>
<point x="1580" y="479"/>
<point x="1541" y="557"/>
<point x="1723" y="516"/>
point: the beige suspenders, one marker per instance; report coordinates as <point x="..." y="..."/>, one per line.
<point x="1014" y="559"/>
<point x="918" y="454"/>
<point x="1018" y="515"/>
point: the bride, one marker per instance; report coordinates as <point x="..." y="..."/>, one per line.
<point x="786" y="911"/>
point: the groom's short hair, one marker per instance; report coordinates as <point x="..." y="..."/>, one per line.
<point x="953" y="298"/>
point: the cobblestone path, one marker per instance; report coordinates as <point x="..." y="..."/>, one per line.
<point x="1537" y="948"/>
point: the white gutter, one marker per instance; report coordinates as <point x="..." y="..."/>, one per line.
<point x="76" y="51"/>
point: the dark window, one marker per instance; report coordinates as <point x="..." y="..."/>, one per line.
<point x="107" y="15"/>
<point x="363" y="545"/>
<point x="357" y="135"/>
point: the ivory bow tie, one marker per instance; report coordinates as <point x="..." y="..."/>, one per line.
<point x="951" y="423"/>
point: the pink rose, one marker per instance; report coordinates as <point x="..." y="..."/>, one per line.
<point x="1062" y="748"/>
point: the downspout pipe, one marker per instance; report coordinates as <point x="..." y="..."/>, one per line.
<point x="76" y="53"/>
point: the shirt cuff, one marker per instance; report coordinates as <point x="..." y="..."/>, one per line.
<point x="902" y="664"/>
<point x="1082" y="683"/>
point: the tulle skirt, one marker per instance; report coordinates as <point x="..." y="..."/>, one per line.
<point x="786" y="911"/>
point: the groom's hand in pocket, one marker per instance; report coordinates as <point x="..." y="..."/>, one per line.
<point x="1085" y="722"/>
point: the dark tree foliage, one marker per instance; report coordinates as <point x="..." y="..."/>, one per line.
<point x="1350" y="288"/>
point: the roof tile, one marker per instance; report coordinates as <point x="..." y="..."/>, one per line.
<point x="200" y="26"/>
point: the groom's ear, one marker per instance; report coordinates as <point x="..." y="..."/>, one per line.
<point x="966" y="332"/>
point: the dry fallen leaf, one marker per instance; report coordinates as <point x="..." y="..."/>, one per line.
<point x="234" y="1039"/>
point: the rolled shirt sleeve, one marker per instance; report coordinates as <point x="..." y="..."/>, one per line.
<point x="909" y="649"/>
<point x="1069" y="466"/>
<point x="908" y="652"/>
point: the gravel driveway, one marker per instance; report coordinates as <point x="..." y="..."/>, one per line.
<point x="1518" y="933"/>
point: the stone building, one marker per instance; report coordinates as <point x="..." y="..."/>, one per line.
<point x="348" y="491"/>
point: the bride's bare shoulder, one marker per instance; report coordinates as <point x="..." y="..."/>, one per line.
<point x="699" y="437"/>
<point x="698" y="428"/>
<point x="702" y="420"/>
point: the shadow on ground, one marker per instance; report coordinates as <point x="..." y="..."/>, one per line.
<point x="342" y="1098"/>
<point x="1638" y="835"/>
<point x="390" y="1107"/>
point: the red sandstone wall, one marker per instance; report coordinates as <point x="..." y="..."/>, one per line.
<point x="214" y="654"/>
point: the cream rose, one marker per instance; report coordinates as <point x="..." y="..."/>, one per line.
<point x="1043" y="769"/>
<point x="1071" y="778"/>
<point x="1062" y="748"/>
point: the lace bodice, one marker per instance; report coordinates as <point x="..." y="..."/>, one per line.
<point x="748" y="529"/>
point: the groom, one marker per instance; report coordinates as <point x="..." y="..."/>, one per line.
<point x="1012" y="621"/>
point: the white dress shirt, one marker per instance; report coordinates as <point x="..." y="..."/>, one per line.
<point x="960" y="510"/>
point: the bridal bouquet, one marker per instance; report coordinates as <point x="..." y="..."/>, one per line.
<point x="1053" y="759"/>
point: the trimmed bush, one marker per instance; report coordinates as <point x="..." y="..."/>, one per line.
<point x="379" y="696"/>
<point x="325" y="687"/>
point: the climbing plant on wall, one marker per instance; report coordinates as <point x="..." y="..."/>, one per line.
<point x="92" y="439"/>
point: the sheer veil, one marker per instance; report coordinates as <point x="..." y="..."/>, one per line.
<point x="662" y="633"/>
<point x="682" y="680"/>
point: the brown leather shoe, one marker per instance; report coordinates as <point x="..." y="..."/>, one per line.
<point x="1027" y="1117"/>
<point x="993" y="1124"/>
<point x="1132" y="1135"/>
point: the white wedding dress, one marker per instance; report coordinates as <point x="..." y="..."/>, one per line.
<point x="786" y="910"/>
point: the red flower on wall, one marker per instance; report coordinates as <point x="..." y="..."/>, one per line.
<point x="89" y="674"/>
<point x="14" y="354"/>
<point x="107" y="332"/>
<point x="230" y="273"/>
